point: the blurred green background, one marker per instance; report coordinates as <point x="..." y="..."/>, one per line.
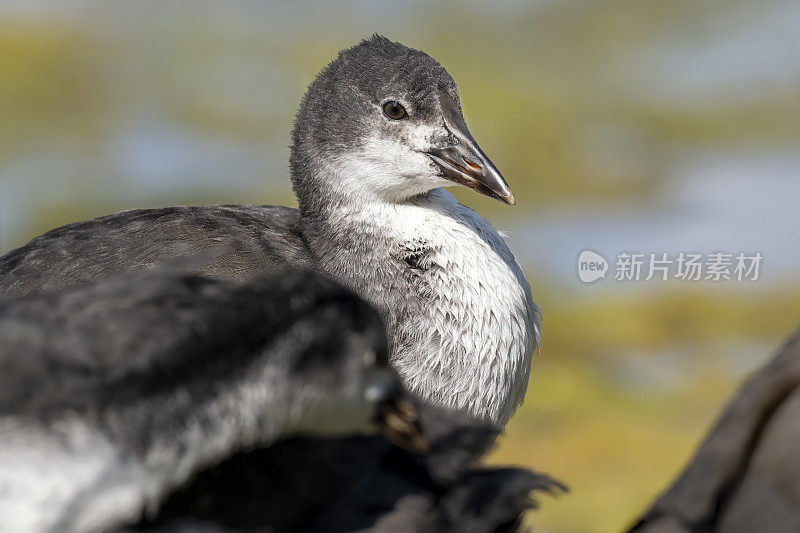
<point x="621" y="125"/>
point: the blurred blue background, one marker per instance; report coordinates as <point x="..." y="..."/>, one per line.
<point x="621" y="125"/>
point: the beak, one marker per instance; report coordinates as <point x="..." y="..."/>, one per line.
<point x="395" y="417"/>
<point x="398" y="422"/>
<point x="465" y="163"/>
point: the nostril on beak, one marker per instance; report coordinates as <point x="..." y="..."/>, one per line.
<point x="472" y="164"/>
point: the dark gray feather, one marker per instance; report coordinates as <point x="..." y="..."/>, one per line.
<point x="257" y="240"/>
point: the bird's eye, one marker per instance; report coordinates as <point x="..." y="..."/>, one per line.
<point x="394" y="110"/>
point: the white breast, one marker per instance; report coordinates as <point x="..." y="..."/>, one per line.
<point x="462" y="322"/>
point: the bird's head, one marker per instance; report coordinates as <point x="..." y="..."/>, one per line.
<point x="383" y="122"/>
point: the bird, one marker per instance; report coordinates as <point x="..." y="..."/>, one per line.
<point x="156" y="400"/>
<point x="378" y="136"/>
<point x="117" y="391"/>
<point x="745" y="474"/>
<point x="383" y="489"/>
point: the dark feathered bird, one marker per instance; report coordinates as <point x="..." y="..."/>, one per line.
<point x="113" y="393"/>
<point x="378" y="134"/>
<point x="745" y="476"/>
<point x="356" y="484"/>
<point x="157" y="400"/>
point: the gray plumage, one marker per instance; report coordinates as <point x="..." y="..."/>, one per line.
<point x="373" y="216"/>
<point x="257" y="240"/>
<point x="745" y="475"/>
<point x="359" y="484"/>
<point x="157" y="401"/>
<point x="114" y="393"/>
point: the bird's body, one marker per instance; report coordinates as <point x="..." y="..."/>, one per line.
<point x="377" y="136"/>
<point x="116" y="392"/>
<point x="158" y="401"/>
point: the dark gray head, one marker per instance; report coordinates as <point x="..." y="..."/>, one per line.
<point x="383" y="122"/>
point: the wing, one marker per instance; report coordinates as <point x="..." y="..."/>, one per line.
<point x="255" y="240"/>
